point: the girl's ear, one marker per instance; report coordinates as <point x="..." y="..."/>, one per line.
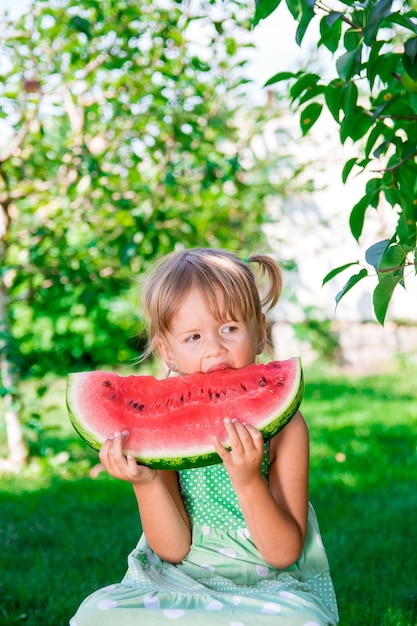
<point x="165" y="351"/>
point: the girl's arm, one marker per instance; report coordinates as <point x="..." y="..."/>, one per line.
<point x="275" y="514"/>
<point x="164" y="520"/>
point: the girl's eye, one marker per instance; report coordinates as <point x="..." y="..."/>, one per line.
<point x="193" y="337"/>
<point x="230" y="329"/>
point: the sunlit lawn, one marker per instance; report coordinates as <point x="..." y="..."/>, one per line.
<point x="62" y="534"/>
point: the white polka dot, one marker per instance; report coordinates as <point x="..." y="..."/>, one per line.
<point x="244" y="533"/>
<point x="262" y="570"/>
<point x="110" y="587"/>
<point x="174" y="613"/>
<point x="319" y="542"/>
<point x="228" y="552"/>
<point x="215" y="605"/>
<point x="210" y="568"/>
<point x="311" y="624"/>
<point x="151" y="602"/>
<point x="271" y="608"/>
<point x="236" y="600"/>
<point x="286" y="595"/>
<point x="205" y="530"/>
<point x="105" y="605"/>
<point x="72" y="622"/>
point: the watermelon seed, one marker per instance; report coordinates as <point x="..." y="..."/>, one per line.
<point x="141" y="407"/>
<point x="262" y="382"/>
<point x="243" y="387"/>
<point x="106" y="383"/>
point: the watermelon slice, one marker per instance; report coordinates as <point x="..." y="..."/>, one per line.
<point x="172" y="422"/>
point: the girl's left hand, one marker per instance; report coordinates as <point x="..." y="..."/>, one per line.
<point x="243" y="462"/>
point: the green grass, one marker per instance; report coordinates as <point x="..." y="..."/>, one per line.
<point x="62" y="534"/>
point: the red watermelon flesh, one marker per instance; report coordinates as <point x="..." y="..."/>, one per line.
<point x="172" y="422"/>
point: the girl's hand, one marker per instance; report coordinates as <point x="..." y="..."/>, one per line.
<point x="122" y="467"/>
<point x="243" y="462"/>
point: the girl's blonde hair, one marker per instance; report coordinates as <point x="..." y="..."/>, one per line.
<point x="208" y="269"/>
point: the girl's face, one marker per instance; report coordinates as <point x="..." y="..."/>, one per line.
<point x="198" y="342"/>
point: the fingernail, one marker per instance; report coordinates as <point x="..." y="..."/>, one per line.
<point x="125" y="433"/>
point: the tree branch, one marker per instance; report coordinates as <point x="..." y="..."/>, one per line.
<point x="18" y="139"/>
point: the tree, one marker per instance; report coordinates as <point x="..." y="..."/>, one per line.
<point x="373" y="99"/>
<point x="126" y="136"/>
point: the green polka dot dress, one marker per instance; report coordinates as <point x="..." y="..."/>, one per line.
<point x="223" y="580"/>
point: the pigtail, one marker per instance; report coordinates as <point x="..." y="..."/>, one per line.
<point x="271" y="270"/>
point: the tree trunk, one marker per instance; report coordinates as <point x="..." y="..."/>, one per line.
<point x="18" y="451"/>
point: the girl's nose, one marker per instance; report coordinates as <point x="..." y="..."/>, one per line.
<point x="214" y="346"/>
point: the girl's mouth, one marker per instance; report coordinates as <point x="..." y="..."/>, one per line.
<point x="219" y="366"/>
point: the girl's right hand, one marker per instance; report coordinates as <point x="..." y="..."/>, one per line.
<point x="122" y="467"/>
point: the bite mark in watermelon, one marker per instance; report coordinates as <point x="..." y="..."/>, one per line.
<point x="172" y="422"/>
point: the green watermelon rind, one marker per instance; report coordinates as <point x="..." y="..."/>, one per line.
<point x="202" y="459"/>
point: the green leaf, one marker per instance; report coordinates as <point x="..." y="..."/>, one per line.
<point x="348" y="168"/>
<point x="382" y="295"/>
<point x="374" y="62"/>
<point x="410" y="48"/>
<point x="375" y="133"/>
<point x="357" y="217"/>
<point x="394" y="258"/>
<point x="331" y="30"/>
<point x="356" y="125"/>
<point x="353" y="280"/>
<point x="374" y="254"/>
<point x="337" y="271"/>
<point x="333" y="96"/>
<point x="350" y="94"/>
<point x="348" y="65"/>
<point x="81" y="25"/>
<point x="373" y="189"/>
<point x="263" y="9"/>
<point x="309" y="116"/>
<point x="294" y="7"/>
<point x="307" y="16"/>
<point x="380" y="10"/>
<point x="303" y="12"/>
<point x="413" y="101"/>
<point x="409" y="58"/>
<point x="305" y="83"/>
<point x="387" y="65"/>
<point x="280" y="77"/>
<point x="402" y="20"/>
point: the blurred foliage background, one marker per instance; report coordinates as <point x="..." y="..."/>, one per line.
<point x="126" y="132"/>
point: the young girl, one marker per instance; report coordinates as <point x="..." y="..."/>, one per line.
<point x="233" y="544"/>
